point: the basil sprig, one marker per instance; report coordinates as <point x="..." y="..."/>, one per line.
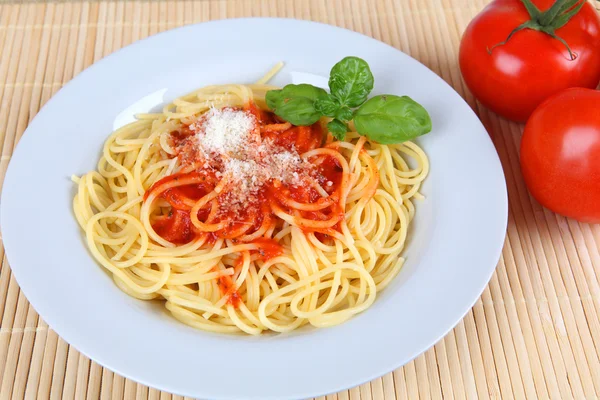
<point x="385" y="119"/>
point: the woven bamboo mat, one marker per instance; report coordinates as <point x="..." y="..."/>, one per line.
<point x="535" y="331"/>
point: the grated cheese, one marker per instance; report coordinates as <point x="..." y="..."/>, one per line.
<point x="229" y="142"/>
<point x="225" y="131"/>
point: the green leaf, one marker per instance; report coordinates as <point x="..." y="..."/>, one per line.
<point x="344" y="114"/>
<point x="327" y="107"/>
<point x="389" y="119"/>
<point x="338" y="129"/>
<point x="351" y="81"/>
<point x="296" y="103"/>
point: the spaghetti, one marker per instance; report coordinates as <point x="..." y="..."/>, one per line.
<point x="241" y="221"/>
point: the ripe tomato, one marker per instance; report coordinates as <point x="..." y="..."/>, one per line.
<point x="560" y="154"/>
<point x="518" y="75"/>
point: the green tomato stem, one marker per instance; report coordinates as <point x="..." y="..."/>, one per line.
<point x="558" y="15"/>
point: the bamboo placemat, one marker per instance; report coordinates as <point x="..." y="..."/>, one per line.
<point x="535" y="331"/>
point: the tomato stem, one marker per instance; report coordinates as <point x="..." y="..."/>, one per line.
<point x="547" y="21"/>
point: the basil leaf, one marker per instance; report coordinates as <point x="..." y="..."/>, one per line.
<point x="327" y="107"/>
<point x="338" y="129"/>
<point x="296" y="103"/>
<point x="391" y="119"/>
<point x="344" y="114"/>
<point x="351" y="81"/>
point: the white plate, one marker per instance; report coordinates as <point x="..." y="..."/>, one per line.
<point x="455" y="241"/>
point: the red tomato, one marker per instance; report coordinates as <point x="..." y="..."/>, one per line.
<point x="560" y="154"/>
<point x="518" y="75"/>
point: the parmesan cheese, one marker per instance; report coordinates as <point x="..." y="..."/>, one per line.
<point x="225" y="131"/>
<point x="229" y="142"/>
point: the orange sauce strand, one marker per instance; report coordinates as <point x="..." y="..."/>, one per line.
<point x="267" y="248"/>
<point x="227" y="288"/>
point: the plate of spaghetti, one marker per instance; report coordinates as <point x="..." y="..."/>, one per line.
<point x="224" y="221"/>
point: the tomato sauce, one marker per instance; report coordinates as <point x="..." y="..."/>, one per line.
<point x="182" y="190"/>
<point x="298" y="138"/>
<point x="227" y="288"/>
<point x="176" y="227"/>
<point x="267" y="248"/>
